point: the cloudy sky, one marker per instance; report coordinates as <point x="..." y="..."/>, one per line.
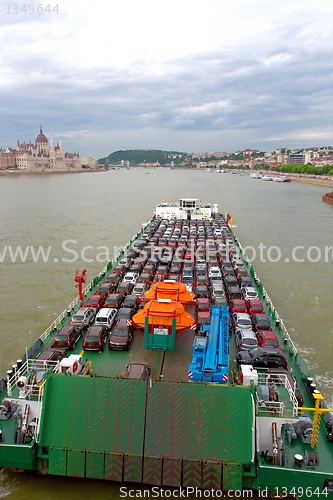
<point x="185" y="75"/>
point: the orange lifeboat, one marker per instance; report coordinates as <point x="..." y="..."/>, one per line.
<point x="162" y="312"/>
<point x="173" y="290"/>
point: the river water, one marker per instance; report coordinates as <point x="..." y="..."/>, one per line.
<point x="87" y="215"/>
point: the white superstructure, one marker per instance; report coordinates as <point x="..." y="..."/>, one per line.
<point x="186" y="208"/>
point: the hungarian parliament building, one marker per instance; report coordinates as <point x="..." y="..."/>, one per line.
<point x="43" y="155"/>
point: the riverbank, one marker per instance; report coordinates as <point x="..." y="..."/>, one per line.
<point x="325" y="181"/>
<point x="316" y="180"/>
<point x="49" y="171"/>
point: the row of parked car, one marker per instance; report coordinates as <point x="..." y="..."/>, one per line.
<point x="96" y="327"/>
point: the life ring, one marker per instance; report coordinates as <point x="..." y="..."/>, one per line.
<point x="75" y="367"/>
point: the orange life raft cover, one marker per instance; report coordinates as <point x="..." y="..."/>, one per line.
<point x="173" y="290"/>
<point x="162" y="312"/>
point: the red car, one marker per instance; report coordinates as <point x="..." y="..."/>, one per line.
<point x="96" y="301"/>
<point x="267" y="338"/>
<point x="202" y="318"/>
<point x="237" y="306"/>
<point x="255" y="307"/>
<point x="202" y="304"/>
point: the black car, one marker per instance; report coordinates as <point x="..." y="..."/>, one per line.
<point x="262" y="357"/>
<point x="245" y="281"/>
<point x="219" y="301"/>
<point x="67" y="337"/>
<point x="114" y="300"/>
<point x="228" y="271"/>
<point x="175" y="269"/>
<point x="131" y="301"/>
<point x="230" y="280"/>
<point x="106" y="288"/>
<point x="124" y="287"/>
<point x="233" y="292"/>
<point x="136" y="268"/>
<point x="126" y="313"/>
<point x="113" y="278"/>
<point x="261" y="322"/>
<point x="201" y="291"/>
<point x="138" y="369"/>
<point x="121" y="336"/>
<point x="95" y="338"/>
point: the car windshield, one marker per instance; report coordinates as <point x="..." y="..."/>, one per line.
<point x="91" y="338"/>
<point x="244" y="322"/>
<point x="250" y="341"/>
<point x="254" y="353"/>
<point x="203" y="306"/>
<point x="78" y="317"/>
<point x="61" y="337"/>
<point x="251" y="294"/>
<point x="256" y="307"/>
<point x="119" y="332"/>
<point x="93" y="301"/>
<point x="101" y="320"/>
<point x="271" y="342"/>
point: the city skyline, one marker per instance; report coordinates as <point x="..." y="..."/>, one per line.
<point x="196" y="77"/>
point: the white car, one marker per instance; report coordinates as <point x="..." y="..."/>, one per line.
<point x="241" y="321"/>
<point x="131" y="278"/>
<point x="139" y="288"/>
<point x="214" y="272"/>
<point x="245" y="339"/>
<point x="249" y="293"/>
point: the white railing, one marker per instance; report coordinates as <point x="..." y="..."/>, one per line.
<point x="71" y="306"/>
<point x="34" y="392"/>
<point x="26" y="369"/>
<point x="275" y="408"/>
<point x="280" y="379"/>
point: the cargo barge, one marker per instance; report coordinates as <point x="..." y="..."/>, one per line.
<point x="151" y="376"/>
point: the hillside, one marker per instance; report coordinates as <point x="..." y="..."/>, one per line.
<point x="137" y="156"/>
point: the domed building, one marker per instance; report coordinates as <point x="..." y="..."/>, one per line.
<point x="42" y="143"/>
<point x="43" y="156"/>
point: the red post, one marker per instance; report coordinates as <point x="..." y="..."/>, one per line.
<point x="79" y="279"/>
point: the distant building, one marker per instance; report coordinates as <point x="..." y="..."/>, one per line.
<point x="43" y="155"/>
<point x="296" y="159"/>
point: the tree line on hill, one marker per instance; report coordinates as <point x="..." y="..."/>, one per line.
<point x="137" y="156"/>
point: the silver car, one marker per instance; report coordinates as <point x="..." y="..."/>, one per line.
<point x="83" y="317"/>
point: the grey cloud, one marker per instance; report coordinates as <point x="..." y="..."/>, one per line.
<point x="259" y="91"/>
